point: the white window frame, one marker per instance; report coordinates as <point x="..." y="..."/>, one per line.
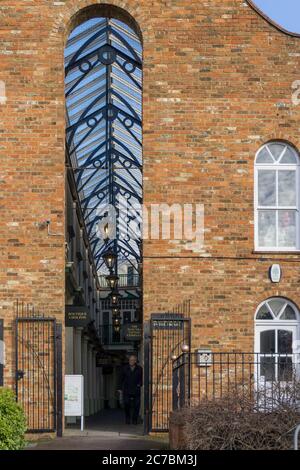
<point x="275" y="167"/>
<point x="277" y="321"/>
<point x="275" y="324"/>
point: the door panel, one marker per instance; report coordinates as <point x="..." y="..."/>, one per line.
<point x="275" y="352"/>
<point x="267" y="341"/>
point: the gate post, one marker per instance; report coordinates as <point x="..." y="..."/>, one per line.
<point x="175" y="384"/>
<point x="147" y="383"/>
<point x="1" y="352"/>
<point x="59" y="381"/>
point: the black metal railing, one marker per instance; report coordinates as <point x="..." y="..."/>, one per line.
<point x="110" y="335"/>
<point x="266" y="379"/>
<point x="125" y="280"/>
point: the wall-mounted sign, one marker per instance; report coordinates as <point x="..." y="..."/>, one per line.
<point x="74" y="400"/>
<point x="76" y="316"/>
<point x="167" y="324"/>
<point x="204" y="357"/>
<point x="167" y="321"/>
<point x="275" y="273"/>
<point x="133" y="331"/>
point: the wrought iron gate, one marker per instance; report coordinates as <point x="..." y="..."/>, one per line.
<point x="38" y="366"/>
<point x="167" y="334"/>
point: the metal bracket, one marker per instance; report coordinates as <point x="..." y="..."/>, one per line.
<point x="19" y="374"/>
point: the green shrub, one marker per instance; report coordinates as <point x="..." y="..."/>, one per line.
<point x="12" y="422"/>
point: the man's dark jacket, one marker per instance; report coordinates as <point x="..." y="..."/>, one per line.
<point x="132" y="380"/>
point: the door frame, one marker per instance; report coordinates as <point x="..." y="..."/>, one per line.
<point x="274" y="324"/>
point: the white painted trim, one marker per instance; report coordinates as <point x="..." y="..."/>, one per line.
<point x="276" y="322"/>
<point x="277" y="166"/>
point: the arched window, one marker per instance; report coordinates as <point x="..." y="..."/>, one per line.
<point x="276" y="339"/>
<point x="277" y="198"/>
<point x="278" y="309"/>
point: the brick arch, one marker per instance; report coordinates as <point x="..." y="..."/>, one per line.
<point x="104" y="10"/>
<point x="282" y="141"/>
<point x="77" y="12"/>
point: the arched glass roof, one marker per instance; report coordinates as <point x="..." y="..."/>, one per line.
<point x="103" y="88"/>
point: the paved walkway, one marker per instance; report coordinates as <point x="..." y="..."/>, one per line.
<point x="104" y="431"/>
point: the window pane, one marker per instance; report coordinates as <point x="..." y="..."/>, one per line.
<point x="289" y="156"/>
<point x="288" y="314"/>
<point x="285" y="342"/>
<point x="285" y="369"/>
<point x="276" y="150"/>
<point x="276" y="305"/>
<point x="264" y="156"/>
<point x="287" y="188"/>
<point x="264" y="313"/>
<point x="287" y="228"/>
<point x="267" y="368"/>
<point x="267" y="342"/>
<point x="266" y="188"/>
<point x="267" y="228"/>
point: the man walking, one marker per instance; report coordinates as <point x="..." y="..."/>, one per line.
<point x="132" y="381"/>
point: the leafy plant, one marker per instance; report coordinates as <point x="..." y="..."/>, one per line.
<point x="12" y="422"/>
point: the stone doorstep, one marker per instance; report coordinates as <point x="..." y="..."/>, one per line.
<point x="31" y="437"/>
<point x="103" y="434"/>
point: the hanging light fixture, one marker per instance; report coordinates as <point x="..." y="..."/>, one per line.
<point x="106" y="233"/>
<point x="110" y="259"/>
<point x="112" y="281"/>
<point x="116" y="312"/>
<point x="115" y="297"/>
<point x="117" y="324"/>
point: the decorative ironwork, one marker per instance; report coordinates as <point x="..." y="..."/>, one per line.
<point x="125" y="280"/>
<point x="167" y="335"/>
<point x="103" y="87"/>
<point x="266" y="379"/>
<point x="36" y="369"/>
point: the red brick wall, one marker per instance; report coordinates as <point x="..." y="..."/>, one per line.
<point x="221" y="88"/>
<point x="215" y="78"/>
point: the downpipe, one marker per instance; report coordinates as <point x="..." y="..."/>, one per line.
<point x="296" y="437"/>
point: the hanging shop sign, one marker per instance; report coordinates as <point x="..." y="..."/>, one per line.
<point x="76" y="316"/>
<point x="133" y="331"/>
<point x="103" y="360"/>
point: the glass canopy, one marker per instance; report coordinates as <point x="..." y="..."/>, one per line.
<point x="103" y="88"/>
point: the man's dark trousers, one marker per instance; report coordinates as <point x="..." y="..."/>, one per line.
<point x="132" y="381"/>
<point x="132" y="402"/>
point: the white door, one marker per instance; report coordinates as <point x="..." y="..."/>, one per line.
<point x="276" y="367"/>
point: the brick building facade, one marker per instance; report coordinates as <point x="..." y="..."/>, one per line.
<point x="217" y="86"/>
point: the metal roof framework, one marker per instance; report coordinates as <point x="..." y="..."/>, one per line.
<point x="103" y="89"/>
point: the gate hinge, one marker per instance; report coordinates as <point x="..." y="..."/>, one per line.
<point x="19" y="374"/>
